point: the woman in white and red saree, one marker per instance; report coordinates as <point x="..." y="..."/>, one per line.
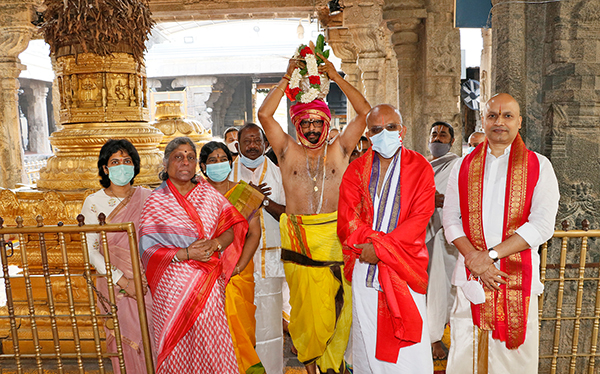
<point x="191" y="239"/>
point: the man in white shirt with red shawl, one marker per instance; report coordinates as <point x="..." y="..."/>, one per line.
<point x="500" y="206"/>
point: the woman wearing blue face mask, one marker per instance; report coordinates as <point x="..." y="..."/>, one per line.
<point x="118" y="164"/>
<point x="215" y="164"/>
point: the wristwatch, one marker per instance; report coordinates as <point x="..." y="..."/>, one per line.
<point x="266" y="201"/>
<point x="493" y="254"/>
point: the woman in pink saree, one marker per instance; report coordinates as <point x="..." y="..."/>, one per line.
<point x="118" y="164"/>
<point x="191" y="239"/>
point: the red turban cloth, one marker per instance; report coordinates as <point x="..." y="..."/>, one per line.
<point x="316" y="108"/>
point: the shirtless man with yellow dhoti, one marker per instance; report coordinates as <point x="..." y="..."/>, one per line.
<point x="312" y="171"/>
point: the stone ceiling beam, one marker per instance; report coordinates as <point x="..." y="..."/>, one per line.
<point x="188" y="10"/>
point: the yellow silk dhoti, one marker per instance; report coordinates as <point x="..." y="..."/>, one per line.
<point x="239" y="294"/>
<point x="320" y="296"/>
<point x="240" y="308"/>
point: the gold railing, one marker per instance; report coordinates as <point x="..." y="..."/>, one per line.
<point x="54" y="305"/>
<point x="569" y="308"/>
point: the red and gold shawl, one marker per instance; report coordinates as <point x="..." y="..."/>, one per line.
<point x="171" y="221"/>
<point x="504" y="312"/>
<point x="402" y="252"/>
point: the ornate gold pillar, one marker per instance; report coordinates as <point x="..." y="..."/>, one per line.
<point x="15" y="32"/>
<point x="97" y="56"/>
<point x="101" y="98"/>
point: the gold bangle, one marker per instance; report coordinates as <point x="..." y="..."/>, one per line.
<point x="279" y="89"/>
<point x="286" y="77"/>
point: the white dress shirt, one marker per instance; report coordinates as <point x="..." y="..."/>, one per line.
<point x="538" y="228"/>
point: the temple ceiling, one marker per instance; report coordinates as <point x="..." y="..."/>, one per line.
<point x="187" y="10"/>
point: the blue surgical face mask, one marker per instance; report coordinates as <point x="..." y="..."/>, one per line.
<point x="121" y="174"/>
<point x="252" y="164"/>
<point x="218" y="172"/>
<point x="386" y="143"/>
<point x="470" y="149"/>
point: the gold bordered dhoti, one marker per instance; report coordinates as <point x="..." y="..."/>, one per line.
<point x="319" y="294"/>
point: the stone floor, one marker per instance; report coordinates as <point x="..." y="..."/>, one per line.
<point x="290" y="362"/>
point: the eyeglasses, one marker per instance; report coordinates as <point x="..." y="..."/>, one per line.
<point x="305" y="123"/>
<point x="389" y="127"/>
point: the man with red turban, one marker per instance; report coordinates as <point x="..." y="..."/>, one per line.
<point x="312" y="170"/>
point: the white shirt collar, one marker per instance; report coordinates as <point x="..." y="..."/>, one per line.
<point x="506" y="151"/>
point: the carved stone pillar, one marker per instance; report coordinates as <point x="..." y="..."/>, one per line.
<point x="340" y="40"/>
<point x="38" y="121"/>
<point x="198" y="91"/>
<point x="442" y="72"/>
<point x="363" y="20"/>
<point x="485" y="72"/>
<point x="15" y="32"/>
<point x="405" y="20"/>
<point x="508" y="55"/>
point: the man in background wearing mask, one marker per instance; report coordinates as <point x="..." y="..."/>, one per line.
<point x="269" y="278"/>
<point x="386" y="199"/>
<point x="442" y="256"/>
<point x="476" y="138"/>
<point x="231" y="139"/>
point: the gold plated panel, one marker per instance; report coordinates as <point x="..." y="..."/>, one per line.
<point x="569" y="308"/>
<point x="51" y="313"/>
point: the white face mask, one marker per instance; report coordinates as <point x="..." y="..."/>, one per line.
<point x="386" y="143"/>
<point x="474" y="292"/>
<point x="232" y="147"/>
<point x="252" y="164"/>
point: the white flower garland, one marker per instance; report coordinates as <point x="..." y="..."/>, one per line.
<point x="296" y="77"/>
<point x="309" y="96"/>
<point x="307" y="93"/>
<point x="311" y="65"/>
